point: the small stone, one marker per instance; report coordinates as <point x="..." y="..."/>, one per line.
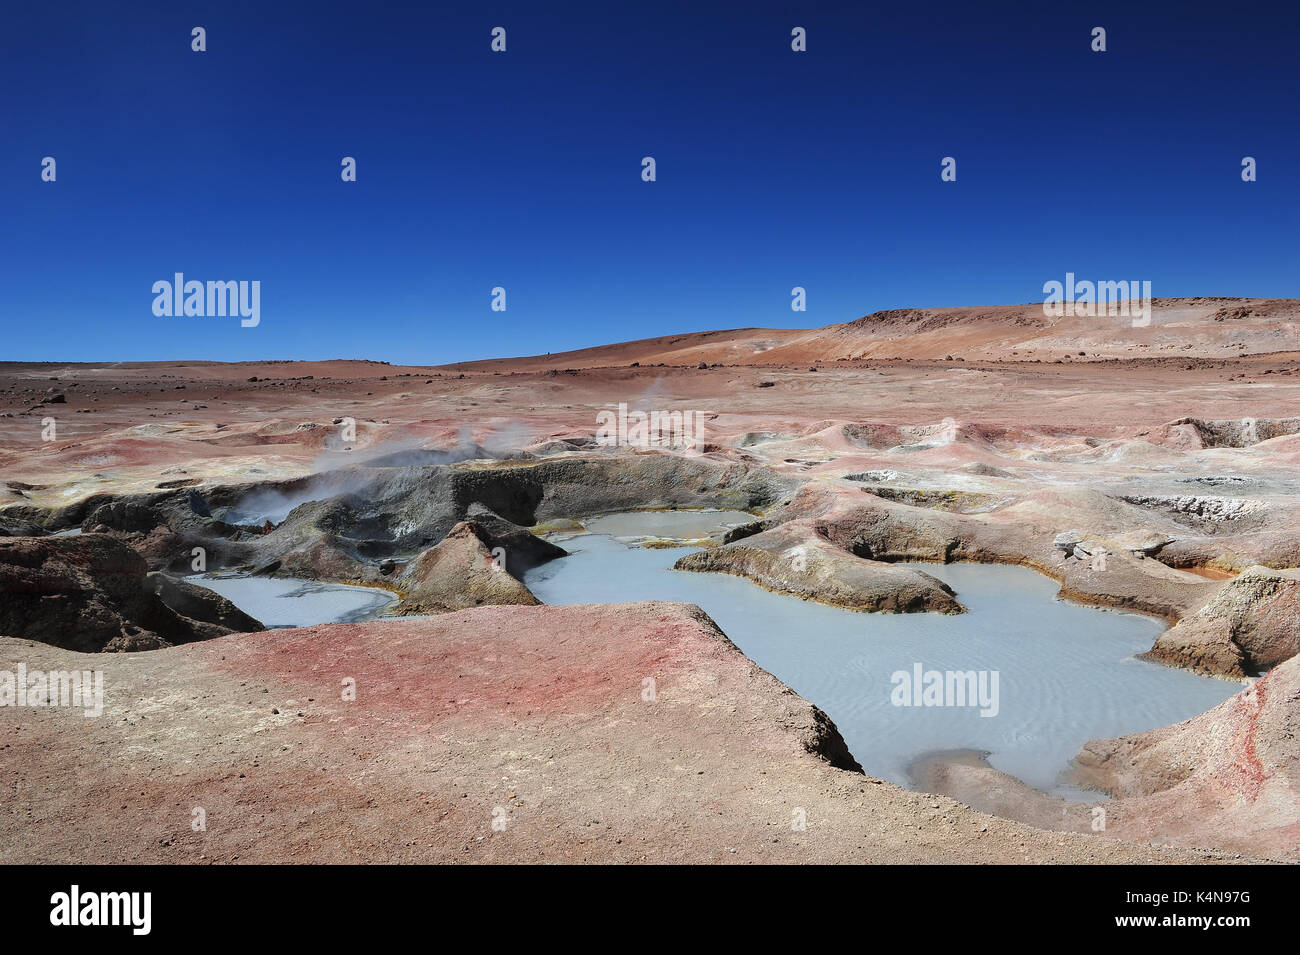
<point x="1067" y="540"/>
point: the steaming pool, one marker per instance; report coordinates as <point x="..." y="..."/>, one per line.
<point x="1065" y="673"/>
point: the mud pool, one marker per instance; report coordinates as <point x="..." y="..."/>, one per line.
<point x="1065" y="673"/>
<point x="290" y="602"/>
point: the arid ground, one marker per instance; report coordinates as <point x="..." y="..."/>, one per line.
<point x="976" y="434"/>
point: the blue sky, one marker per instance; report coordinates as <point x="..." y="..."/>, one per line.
<point x="523" y="169"/>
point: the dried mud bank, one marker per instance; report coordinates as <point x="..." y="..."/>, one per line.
<point x="535" y="716"/>
<point x="792" y="559"/>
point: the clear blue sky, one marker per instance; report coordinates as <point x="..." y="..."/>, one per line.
<point x="522" y="169"/>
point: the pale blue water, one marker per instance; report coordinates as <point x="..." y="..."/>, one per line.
<point x="1066" y="673"/>
<point x="290" y="602"/>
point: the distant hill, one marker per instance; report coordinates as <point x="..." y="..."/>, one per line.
<point x="1179" y="327"/>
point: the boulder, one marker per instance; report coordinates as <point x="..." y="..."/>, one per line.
<point x="524" y="550"/>
<point x="1071" y="544"/>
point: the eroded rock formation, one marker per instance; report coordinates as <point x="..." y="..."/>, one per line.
<point x="792" y="559"/>
<point x="1250" y="624"/>
<point x="470" y="567"/>
<point x="93" y="593"/>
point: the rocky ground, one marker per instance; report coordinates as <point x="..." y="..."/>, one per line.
<point x="627" y="733"/>
<point x="1145" y="468"/>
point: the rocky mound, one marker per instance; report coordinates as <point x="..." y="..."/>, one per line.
<point x="1236" y="432"/>
<point x="793" y="559"/>
<point x="472" y="566"/>
<point x="12" y="524"/>
<point x="1246" y="627"/>
<point x="93" y="593"/>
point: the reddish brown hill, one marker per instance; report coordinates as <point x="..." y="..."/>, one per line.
<point x="1178" y="327"/>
